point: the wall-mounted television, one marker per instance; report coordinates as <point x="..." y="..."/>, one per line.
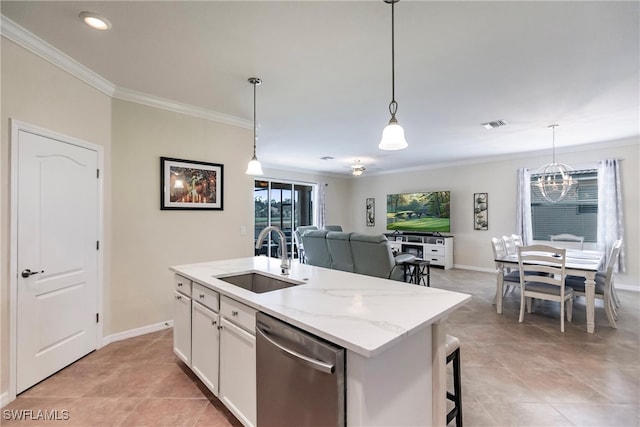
<point x="427" y="212"/>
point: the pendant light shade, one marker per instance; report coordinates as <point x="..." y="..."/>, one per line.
<point x="554" y="180"/>
<point x="254" y="167"/>
<point x="393" y="134"/>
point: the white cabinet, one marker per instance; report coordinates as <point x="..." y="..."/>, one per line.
<point x="436" y="249"/>
<point x="205" y="345"/>
<point x="182" y="319"/>
<point x="238" y="360"/>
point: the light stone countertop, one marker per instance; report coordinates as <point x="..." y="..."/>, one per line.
<point x="363" y="314"/>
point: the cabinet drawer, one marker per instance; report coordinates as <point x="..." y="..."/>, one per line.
<point x="182" y="285"/>
<point x="238" y="313"/>
<point x="434" y="259"/>
<point x="206" y="296"/>
<point x="433" y="250"/>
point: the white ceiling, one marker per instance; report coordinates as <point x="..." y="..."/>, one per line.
<point x="326" y="71"/>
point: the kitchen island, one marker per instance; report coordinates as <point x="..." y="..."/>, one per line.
<point x="393" y="332"/>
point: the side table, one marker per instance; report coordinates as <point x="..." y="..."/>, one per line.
<point x="416" y="271"/>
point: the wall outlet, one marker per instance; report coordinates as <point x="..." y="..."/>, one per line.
<point x="243" y="230"/>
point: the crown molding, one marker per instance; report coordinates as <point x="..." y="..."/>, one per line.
<point x="177" y="107"/>
<point x="41" y="48"/>
<point x="49" y="53"/>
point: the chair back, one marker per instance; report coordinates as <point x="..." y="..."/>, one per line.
<point x="372" y="255"/>
<point x="499" y="251"/>
<point x="542" y="264"/>
<point x="509" y="245"/>
<point x="567" y="241"/>
<point x="340" y="250"/>
<point x="517" y="240"/>
<point x="316" y="251"/>
<point x="333" y="227"/>
<point x="611" y="262"/>
<point x="300" y="231"/>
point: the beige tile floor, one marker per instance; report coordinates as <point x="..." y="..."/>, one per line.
<point x="514" y="374"/>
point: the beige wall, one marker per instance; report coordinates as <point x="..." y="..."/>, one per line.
<point x="38" y="93"/>
<point x="147" y="240"/>
<point x="498" y="178"/>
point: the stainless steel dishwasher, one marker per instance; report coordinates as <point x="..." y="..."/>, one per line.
<point x="300" y="377"/>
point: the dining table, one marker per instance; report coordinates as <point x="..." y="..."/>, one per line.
<point x="583" y="263"/>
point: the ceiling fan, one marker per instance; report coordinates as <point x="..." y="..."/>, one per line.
<point x="357" y="168"/>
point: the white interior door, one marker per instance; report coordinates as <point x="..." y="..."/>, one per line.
<point x="57" y="234"/>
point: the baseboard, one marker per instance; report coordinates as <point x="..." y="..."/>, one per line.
<point x="625" y="287"/>
<point x="474" y="268"/>
<point x="4" y="399"/>
<point x="131" y="333"/>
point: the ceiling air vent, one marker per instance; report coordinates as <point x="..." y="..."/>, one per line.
<point x="494" y="124"/>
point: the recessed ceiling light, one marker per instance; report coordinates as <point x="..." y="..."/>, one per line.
<point x="95" y="21"/>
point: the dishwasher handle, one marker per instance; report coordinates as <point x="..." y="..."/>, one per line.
<point x="315" y="364"/>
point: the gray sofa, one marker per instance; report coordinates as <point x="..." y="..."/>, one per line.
<point x="366" y="254"/>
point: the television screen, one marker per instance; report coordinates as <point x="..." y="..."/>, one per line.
<point x="427" y="212"/>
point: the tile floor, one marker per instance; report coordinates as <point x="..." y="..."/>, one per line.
<point x="513" y="374"/>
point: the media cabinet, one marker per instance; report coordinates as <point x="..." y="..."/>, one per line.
<point x="436" y="249"/>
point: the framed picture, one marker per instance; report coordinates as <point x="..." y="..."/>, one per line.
<point x="190" y="185"/>
<point x="480" y="211"/>
<point x="371" y="212"/>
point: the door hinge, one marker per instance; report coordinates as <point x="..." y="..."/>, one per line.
<point x="97" y="173"/>
<point x="97" y="317"/>
<point x="97" y="245"/>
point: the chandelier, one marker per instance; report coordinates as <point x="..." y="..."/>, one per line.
<point x="393" y="134"/>
<point x="554" y="180"/>
<point x="254" y="167"/>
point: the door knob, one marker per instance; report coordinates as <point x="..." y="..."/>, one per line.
<point x="26" y="273"/>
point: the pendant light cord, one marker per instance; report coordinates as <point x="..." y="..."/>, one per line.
<point x="393" y="106"/>
<point x="254" y="119"/>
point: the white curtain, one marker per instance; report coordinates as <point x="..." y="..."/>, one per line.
<point x="523" y="206"/>
<point x="610" y="214"/>
<point x="321" y="206"/>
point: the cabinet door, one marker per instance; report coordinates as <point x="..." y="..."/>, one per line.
<point x="182" y="327"/>
<point x="205" y="343"/>
<point x="238" y="372"/>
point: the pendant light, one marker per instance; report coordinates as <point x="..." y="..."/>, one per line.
<point x="393" y="134"/>
<point x="357" y="168"/>
<point x="254" y="167"/>
<point x="554" y="179"/>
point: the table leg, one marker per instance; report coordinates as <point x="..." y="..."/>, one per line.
<point x="590" y="294"/>
<point x="499" y="289"/>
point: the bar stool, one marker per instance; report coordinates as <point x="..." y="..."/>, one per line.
<point x="453" y="355"/>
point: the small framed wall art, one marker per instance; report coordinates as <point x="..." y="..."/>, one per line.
<point x="371" y="211"/>
<point x="480" y="211"/>
<point x="190" y="185"/>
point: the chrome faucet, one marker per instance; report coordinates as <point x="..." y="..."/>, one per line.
<point x="284" y="256"/>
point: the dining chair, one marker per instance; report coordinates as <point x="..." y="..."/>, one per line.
<point x="542" y="276"/>
<point x="517" y="239"/>
<point x="509" y="245"/>
<point x="511" y="278"/>
<point x="567" y="241"/>
<point x="604" y="284"/>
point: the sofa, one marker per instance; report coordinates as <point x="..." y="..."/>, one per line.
<point x="366" y="254"/>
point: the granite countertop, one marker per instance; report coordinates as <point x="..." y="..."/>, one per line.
<point x="363" y="314"/>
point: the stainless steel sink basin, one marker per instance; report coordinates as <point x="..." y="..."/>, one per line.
<point x="259" y="283"/>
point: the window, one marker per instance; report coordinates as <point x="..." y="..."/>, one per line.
<point x="576" y="214"/>
<point x="283" y="204"/>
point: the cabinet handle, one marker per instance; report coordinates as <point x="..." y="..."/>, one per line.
<point x="213" y="322"/>
<point x="234" y="313"/>
<point x="201" y="296"/>
<point x="219" y="327"/>
<point x="178" y="297"/>
<point x="179" y="284"/>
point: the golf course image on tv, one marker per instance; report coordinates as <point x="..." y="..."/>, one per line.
<point x="426" y="212"/>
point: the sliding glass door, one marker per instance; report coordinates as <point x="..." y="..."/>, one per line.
<point x="286" y="205"/>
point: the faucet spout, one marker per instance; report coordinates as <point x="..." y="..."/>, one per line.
<point x="284" y="256"/>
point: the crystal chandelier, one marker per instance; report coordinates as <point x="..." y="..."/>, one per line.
<point x="554" y="180"/>
<point x="393" y="134"/>
<point x="254" y="167"/>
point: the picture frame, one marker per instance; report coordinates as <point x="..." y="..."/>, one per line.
<point x="480" y="211"/>
<point x="370" y="212"/>
<point x="190" y="185"/>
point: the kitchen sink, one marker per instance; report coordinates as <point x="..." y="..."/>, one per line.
<point x="259" y="283"/>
